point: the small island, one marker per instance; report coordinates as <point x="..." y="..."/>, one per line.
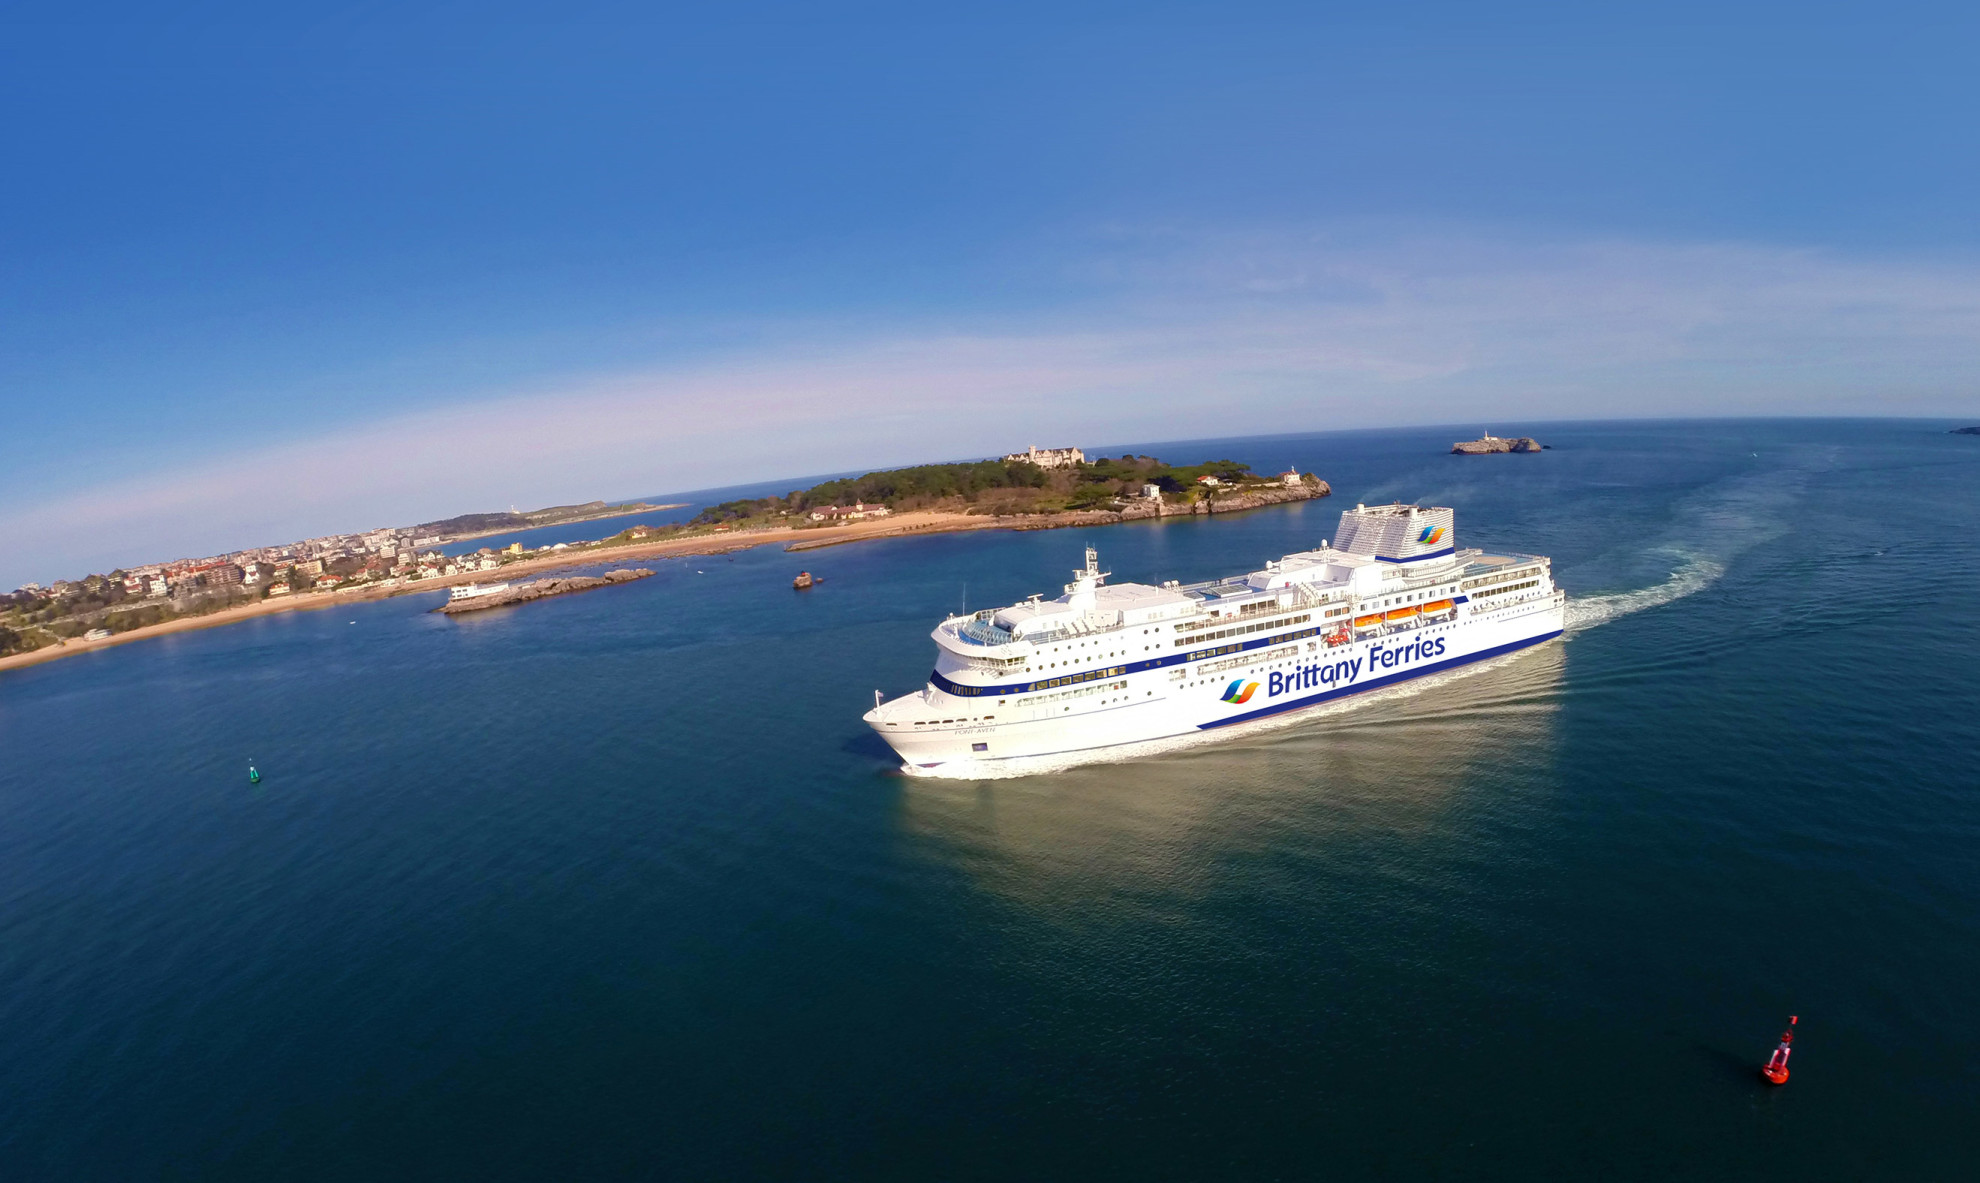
<point x="1489" y="444"/>
<point x="1965" y="431"/>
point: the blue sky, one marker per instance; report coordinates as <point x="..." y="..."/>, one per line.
<point x="262" y="280"/>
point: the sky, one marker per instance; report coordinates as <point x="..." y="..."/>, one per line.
<point x="261" y="280"/>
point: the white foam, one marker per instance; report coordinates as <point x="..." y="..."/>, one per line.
<point x="1692" y="574"/>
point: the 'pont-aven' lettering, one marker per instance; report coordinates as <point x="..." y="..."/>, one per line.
<point x="1344" y="672"/>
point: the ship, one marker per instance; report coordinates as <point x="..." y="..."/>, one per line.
<point x="1107" y="666"/>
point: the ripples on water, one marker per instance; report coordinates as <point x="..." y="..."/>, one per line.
<point x="617" y="885"/>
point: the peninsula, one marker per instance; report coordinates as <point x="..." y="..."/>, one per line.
<point x="1014" y="493"/>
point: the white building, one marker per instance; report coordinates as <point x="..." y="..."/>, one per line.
<point x="849" y="513"/>
<point x="1048" y="457"/>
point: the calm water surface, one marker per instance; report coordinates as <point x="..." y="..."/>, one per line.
<point x="617" y="886"/>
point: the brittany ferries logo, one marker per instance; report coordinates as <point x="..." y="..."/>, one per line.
<point x="1239" y="692"/>
<point x="1431" y="536"/>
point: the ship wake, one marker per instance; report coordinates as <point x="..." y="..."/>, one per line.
<point x="1689" y="574"/>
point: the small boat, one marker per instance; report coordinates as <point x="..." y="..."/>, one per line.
<point x="1439" y="606"/>
<point x="1368" y="621"/>
<point x="803" y="580"/>
<point x="1401" y="614"/>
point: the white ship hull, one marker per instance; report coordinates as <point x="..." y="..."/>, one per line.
<point x="1151" y="707"/>
<point x="1133" y="664"/>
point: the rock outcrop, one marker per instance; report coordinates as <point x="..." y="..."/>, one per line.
<point x="537" y="589"/>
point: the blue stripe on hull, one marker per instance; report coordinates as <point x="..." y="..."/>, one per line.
<point x="1378" y="683"/>
<point x="1309" y="700"/>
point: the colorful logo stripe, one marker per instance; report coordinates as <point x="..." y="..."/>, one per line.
<point x="1431" y="536"/>
<point x="1239" y="692"/>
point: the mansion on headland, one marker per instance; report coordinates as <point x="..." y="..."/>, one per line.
<point x="1048" y="457"/>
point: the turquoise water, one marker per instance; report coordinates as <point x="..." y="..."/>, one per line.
<point x="616" y="885"/>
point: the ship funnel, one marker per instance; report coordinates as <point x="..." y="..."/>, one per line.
<point x="1397" y="533"/>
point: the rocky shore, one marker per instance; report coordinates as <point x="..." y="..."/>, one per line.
<point x="537" y="589"/>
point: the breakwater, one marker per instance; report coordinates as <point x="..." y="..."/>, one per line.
<point x="537" y="589"/>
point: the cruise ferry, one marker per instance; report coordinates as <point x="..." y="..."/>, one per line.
<point x="1390" y="598"/>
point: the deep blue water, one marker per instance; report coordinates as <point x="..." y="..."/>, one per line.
<point x="615" y="885"/>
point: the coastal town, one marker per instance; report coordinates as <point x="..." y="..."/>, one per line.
<point x="99" y="606"/>
<point x="1035" y="489"/>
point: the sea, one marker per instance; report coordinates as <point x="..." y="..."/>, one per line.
<point x="618" y="886"/>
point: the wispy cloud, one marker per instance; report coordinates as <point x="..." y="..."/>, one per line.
<point x="1156" y="333"/>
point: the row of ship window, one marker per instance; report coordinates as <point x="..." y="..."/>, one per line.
<point x="1500" y="591"/>
<point x="1503" y="576"/>
<point x="1283" y="656"/>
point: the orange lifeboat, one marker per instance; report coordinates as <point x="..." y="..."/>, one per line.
<point x="1402" y="614"/>
<point x="1368" y="621"/>
<point x="1438" y="606"/>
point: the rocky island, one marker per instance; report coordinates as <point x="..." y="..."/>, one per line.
<point x="1489" y="443"/>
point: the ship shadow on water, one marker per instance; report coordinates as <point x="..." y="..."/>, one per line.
<point x="1399" y="762"/>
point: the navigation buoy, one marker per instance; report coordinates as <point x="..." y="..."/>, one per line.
<point x="254" y="777"/>
<point x="1776" y="1070"/>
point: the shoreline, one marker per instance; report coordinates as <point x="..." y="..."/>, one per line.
<point x="913" y="523"/>
<point x="451" y="539"/>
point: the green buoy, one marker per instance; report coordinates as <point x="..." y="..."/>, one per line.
<point x="254" y="778"/>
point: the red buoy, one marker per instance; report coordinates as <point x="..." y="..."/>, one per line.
<point x="1776" y="1070"/>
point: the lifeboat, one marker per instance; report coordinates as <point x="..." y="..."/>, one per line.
<point x="1401" y="614"/>
<point x="1438" y="606"/>
<point x="1368" y="621"/>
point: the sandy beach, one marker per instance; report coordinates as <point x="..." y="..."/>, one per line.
<point x="791" y="537"/>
